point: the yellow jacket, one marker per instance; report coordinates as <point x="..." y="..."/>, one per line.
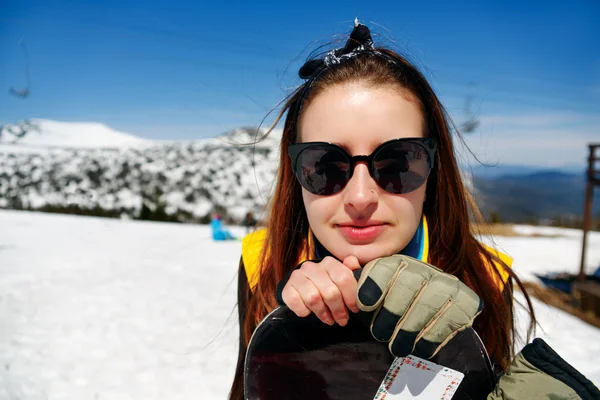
<point x="253" y="243"/>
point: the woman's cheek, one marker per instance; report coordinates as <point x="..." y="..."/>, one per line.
<point x="319" y="209"/>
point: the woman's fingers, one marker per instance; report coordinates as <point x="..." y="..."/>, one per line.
<point x="345" y="281"/>
<point x="292" y="298"/>
<point x="327" y="288"/>
<point x="320" y="276"/>
<point x="309" y="295"/>
<point x="352" y="263"/>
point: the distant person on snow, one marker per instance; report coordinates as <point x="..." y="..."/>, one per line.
<point x="249" y="221"/>
<point x="218" y="233"/>
<point x="344" y="204"/>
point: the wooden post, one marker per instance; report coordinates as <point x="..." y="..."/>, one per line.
<point x="592" y="180"/>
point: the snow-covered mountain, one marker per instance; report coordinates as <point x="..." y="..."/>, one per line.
<point x="79" y="167"/>
<point x="45" y="133"/>
<point x="89" y="168"/>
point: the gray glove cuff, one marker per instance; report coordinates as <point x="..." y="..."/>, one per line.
<point x="539" y="354"/>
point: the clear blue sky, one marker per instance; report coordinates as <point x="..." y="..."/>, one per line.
<point x="182" y="70"/>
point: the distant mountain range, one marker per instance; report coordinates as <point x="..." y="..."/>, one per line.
<point x="497" y="171"/>
<point x="90" y="168"/>
<point x="544" y="194"/>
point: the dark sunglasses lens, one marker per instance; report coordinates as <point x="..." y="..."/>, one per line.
<point x="401" y="167"/>
<point x="323" y="169"/>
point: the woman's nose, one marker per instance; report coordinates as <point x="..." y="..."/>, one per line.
<point x="361" y="191"/>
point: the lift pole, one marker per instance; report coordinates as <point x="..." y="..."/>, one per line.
<point x="593" y="179"/>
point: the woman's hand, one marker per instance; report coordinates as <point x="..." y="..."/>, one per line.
<point x="416" y="307"/>
<point x="327" y="288"/>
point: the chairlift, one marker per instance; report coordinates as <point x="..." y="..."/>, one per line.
<point x="471" y="121"/>
<point x="24" y="92"/>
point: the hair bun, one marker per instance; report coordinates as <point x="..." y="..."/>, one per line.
<point x="360" y="40"/>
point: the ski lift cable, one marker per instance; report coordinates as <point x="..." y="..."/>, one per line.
<point x="243" y="48"/>
<point x="256" y="47"/>
<point x="513" y="97"/>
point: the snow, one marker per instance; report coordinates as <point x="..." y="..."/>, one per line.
<point x="548" y="249"/>
<point x="94" y="308"/>
<point x="48" y="133"/>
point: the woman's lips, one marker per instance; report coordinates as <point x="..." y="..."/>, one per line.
<point x="366" y="233"/>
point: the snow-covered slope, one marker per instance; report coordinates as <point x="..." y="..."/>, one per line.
<point x="46" y="133"/>
<point x="189" y="179"/>
<point x="94" y="308"/>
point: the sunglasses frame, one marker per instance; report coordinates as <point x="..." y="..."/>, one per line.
<point x="430" y="145"/>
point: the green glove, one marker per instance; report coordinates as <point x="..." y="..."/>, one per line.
<point x="537" y="373"/>
<point x="418" y="308"/>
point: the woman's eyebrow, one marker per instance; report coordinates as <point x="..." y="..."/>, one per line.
<point x="342" y="145"/>
<point x="347" y="149"/>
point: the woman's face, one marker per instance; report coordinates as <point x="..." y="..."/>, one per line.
<point x="362" y="220"/>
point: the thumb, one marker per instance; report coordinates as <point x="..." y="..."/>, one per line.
<point x="352" y="263"/>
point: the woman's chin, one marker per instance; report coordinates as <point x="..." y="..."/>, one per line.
<point x="366" y="254"/>
<point x="366" y="258"/>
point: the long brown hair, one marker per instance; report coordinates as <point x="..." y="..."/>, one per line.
<point x="449" y="208"/>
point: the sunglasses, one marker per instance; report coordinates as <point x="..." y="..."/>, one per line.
<point x="398" y="166"/>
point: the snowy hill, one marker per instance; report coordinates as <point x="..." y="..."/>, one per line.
<point x="113" y="173"/>
<point x="46" y="133"/>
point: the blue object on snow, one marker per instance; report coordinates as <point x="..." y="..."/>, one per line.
<point x="218" y="233"/>
<point x="562" y="283"/>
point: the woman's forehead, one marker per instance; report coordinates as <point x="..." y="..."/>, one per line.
<point x="359" y="118"/>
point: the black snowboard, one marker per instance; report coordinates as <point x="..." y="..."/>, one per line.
<point x="302" y="358"/>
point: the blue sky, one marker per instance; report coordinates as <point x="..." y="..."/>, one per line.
<point x="185" y="70"/>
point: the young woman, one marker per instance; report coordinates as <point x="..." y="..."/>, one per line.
<point x="368" y="179"/>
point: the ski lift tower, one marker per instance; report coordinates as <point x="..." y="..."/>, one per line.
<point x="588" y="292"/>
<point x="593" y="179"/>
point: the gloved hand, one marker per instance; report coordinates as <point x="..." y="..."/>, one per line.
<point x="417" y="307"/>
<point x="537" y="373"/>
